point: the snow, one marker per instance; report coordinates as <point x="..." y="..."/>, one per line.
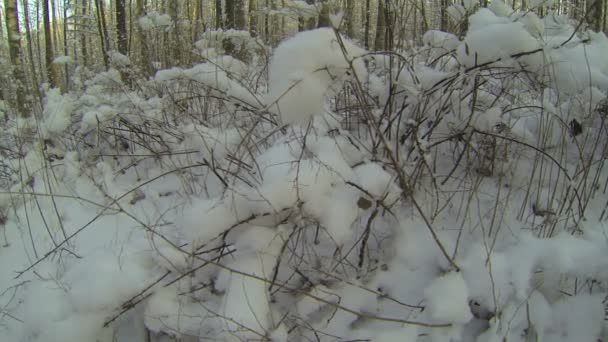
<point x="57" y="113"/>
<point x="485" y="30"/>
<point x="439" y="39"/>
<point x="447" y="298"/>
<point x="377" y="182"/>
<point x="155" y="20"/>
<point x="118" y="59"/>
<point x="301" y="71"/>
<point x="215" y="201"/>
<point x="62" y="60"/>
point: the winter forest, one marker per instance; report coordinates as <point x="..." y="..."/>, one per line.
<point x="301" y="170"/>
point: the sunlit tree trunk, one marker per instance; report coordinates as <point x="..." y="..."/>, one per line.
<point x="54" y="26"/>
<point x="30" y="52"/>
<point x="83" y="34"/>
<point x="14" y="46"/>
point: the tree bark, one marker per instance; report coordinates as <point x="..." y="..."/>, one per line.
<point x="48" y="45"/>
<point x="219" y="22"/>
<point x="324" y="15"/>
<point x="143" y="55"/>
<point x="253" y="18"/>
<point x="121" y="27"/>
<point x="350" y="18"/>
<point x="235" y="20"/>
<point x="30" y="52"/>
<point x="367" y="23"/>
<point x="14" y="46"/>
<point x="101" y="27"/>
<point x="83" y="34"/>
<point x="379" y="41"/>
<point x="199" y="25"/>
<point x="444" y="15"/>
<point x="175" y="45"/>
<point x="66" y="70"/>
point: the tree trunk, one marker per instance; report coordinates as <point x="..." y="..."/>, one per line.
<point x="324" y="15"/>
<point x="253" y="18"/>
<point x="83" y="34"/>
<point x="66" y="72"/>
<point x="54" y="26"/>
<point x="143" y="55"/>
<point x="444" y="15"/>
<point x="30" y="52"/>
<point x="594" y="14"/>
<point x="174" y="44"/>
<point x="379" y="41"/>
<point x="199" y="25"/>
<point x="3" y="78"/>
<point x="235" y="20"/>
<point x="312" y="21"/>
<point x="425" y="26"/>
<point x="14" y="47"/>
<point x="219" y="22"/>
<point x="367" y="23"/>
<point x="240" y="19"/>
<point x="350" y="18"/>
<point x="48" y="45"/>
<point x="101" y="27"/>
<point x="276" y="24"/>
<point x="121" y="27"/>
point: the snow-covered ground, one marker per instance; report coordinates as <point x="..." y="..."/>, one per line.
<point x="455" y="192"/>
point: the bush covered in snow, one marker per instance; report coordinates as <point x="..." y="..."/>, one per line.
<point x="455" y="192"/>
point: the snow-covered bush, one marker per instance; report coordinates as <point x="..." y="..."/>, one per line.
<point x="451" y="193"/>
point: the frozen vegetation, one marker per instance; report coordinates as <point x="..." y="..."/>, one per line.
<point x="318" y="192"/>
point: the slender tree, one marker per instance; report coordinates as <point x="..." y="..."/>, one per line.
<point x="121" y="27"/>
<point x="199" y="24"/>
<point x="367" y="22"/>
<point x="48" y="45"/>
<point x="14" y="47"/>
<point x="101" y="29"/>
<point x="174" y="50"/>
<point x="83" y="34"/>
<point x="444" y="15"/>
<point x="379" y="41"/>
<point x="219" y="22"/>
<point x="253" y="17"/>
<point x="65" y="85"/>
<point x="350" y="18"/>
<point x="143" y="55"/>
<point x="30" y="52"/>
